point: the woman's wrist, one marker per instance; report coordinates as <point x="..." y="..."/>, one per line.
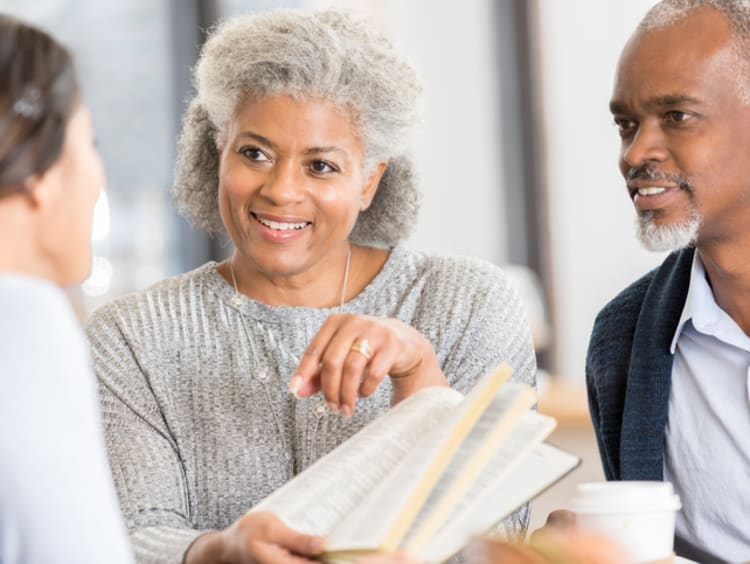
<point x="426" y="372"/>
<point x="207" y="548"/>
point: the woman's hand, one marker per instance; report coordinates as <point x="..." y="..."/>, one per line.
<point x="254" y="538"/>
<point x="352" y="354"/>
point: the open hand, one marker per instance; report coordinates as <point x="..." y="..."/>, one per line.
<point x="352" y="354"/>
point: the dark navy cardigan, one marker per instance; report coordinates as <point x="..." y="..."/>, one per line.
<point x="629" y="377"/>
<point x="629" y="370"/>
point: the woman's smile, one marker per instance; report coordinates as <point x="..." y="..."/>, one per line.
<point x="279" y="229"/>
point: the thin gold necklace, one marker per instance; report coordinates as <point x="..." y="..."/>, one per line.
<point x="344" y="283"/>
<point x="260" y="374"/>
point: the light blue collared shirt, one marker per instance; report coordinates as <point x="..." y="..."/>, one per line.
<point x="707" y="438"/>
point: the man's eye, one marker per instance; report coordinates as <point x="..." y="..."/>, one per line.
<point x="624" y="125"/>
<point x="322" y="167"/>
<point x="254" y="154"/>
<point x="676" y="116"/>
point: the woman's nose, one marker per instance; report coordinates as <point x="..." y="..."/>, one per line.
<point x="285" y="184"/>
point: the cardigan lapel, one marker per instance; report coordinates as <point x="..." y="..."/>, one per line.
<point x="650" y="371"/>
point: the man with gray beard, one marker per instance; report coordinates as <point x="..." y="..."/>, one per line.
<point x="668" y="367"/>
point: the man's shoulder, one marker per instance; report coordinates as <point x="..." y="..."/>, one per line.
<point x="626" y="306"/>
<point x="659" y="291"/>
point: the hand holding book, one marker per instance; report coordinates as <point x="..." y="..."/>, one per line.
<point x="255" y="537"/>
<point x="428" y="475"/>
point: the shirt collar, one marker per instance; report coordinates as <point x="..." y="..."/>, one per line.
<point x="699" y="304"/>
<point x="704" y="313"/>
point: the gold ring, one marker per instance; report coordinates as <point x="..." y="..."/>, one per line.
<point x="363" y="347"/>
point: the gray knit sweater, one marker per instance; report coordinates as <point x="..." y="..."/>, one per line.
<point x="199" y="423"/>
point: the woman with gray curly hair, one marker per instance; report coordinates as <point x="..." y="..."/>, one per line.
<point x="294" y="146"/>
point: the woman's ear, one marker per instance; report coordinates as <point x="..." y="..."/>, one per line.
<point x="46" y="191"/>
<point x="371" y="185"/>
<point x="33" y="189"/>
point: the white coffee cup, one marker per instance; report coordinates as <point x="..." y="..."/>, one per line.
<point x="639" y="516"/>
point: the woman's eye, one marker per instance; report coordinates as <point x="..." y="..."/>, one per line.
<point x="322" y="167"/>
<point x="254" y="154"/>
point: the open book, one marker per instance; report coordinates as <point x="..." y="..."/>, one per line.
<point x="428" y="475"/>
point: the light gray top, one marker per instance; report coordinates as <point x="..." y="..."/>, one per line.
<point x="57" y="502"/>
<point x="191" y="409"/>
<point x="707" y="437"/>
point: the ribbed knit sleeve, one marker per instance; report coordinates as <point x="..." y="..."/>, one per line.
<point x="200" y="426"/>
<point x="491" y="327"/>
<point x="146" y="465"/>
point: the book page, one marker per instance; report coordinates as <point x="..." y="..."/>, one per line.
<point x="492" y="457"/>
<point x="541" y="468"/>
<point x="384" y="517"/>
<point x="316" y="500"/>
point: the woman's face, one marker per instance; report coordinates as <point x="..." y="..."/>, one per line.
<point x="71" y="188"/>
<point x="291" y="183"/>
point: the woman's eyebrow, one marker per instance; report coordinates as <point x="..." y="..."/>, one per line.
<point x="326" y="149"/>
<point x="259" y="138"/>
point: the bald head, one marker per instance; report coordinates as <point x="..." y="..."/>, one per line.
<point x="668" y="13"/>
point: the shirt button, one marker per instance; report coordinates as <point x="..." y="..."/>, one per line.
<point x="321" y="409"/>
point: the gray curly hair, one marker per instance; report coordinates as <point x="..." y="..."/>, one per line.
<point x="668" y="12"/>
<point x="329" y="55"/>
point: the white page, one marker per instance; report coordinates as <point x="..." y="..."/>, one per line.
<point x="463" y="482"/>
<point x="368" y="525"/>
<point x="542" y="467"/>
<point x="315" y="501"/>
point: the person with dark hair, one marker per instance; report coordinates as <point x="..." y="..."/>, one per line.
<point x="295" y="146"/>
<point x="57" y="501"/>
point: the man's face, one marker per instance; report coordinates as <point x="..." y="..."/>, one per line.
<point x="685" y="132"/>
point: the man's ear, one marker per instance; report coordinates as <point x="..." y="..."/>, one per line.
<point x="371" y="185"/>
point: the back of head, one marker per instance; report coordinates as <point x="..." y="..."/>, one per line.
<point x="326" y="55"/>
<point x="38" y="94"/>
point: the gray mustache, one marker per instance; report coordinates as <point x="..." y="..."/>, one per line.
<point x="651" y="173"/>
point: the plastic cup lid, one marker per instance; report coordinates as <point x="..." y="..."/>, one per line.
<point x="615" y="497"/>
